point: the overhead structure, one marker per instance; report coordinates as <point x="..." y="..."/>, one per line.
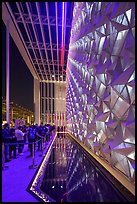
<point x="38" y="29"/>
<point x="41" y="32"/>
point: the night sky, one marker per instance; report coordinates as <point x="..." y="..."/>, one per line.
<point x="21" y="80"/>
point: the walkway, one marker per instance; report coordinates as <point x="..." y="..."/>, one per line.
<point x="16" y="178"/>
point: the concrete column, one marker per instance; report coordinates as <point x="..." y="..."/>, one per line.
<point x="44" y="98"/>
<point x="51" y="102"/>
<point x="41" y="84"/>
<point x="37" y="101"/>
<point x="7" y="74"/>
<point x="23" y="115"/>
<point x="28" y="119"/>
<point x="48" y="101"/>
<point x="11" y="113"/>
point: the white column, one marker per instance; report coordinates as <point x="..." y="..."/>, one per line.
<point x="37" y="101"/>
<point x="11" y="113"/>
<point x="48" y="100"/>
<point x="28" y="119"/>
<point x="41" y="101"/>
<point x="7" y="74"/>
<point x="44" y="102"/>
<point x="51" y="102"/>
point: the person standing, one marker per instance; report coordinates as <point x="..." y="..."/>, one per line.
<point x="47" y="131"/>
<point x="32" y="138"/>
<point x="6" y="140"/>
<point x="20" y="139"/>
<point x="40" y="133"/>
<point x="13" y="140"/>
<point x="24" y="130"/>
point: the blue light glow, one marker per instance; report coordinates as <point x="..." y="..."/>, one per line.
<point x="63" y="7"/>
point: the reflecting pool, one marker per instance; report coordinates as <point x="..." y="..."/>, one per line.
<point x="70" y="176"/>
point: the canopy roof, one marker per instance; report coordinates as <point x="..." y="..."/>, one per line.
<point x="36" y="28"/>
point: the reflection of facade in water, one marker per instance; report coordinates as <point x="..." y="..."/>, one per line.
<point x="85" y="182"/>
<point x="71" y="177"/>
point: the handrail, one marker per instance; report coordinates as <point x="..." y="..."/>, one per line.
<point x="33" y="166"/>
<point x="33" y="143"/>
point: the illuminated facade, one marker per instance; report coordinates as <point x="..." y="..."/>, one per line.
<point x="101" y="81"/>
<point x="53" y="103"/>
<point x="17" y="112"/>
<point x="41" y="32"/>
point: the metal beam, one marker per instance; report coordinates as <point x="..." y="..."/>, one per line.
<point x="17" y="37"/>
<point x="27" y="34"/>
<point x="57" y="37"/>
<point x="42" y="32"/>
<point x="50" y="38"/>
<point x="44" y="19"/>
<point x="46" y="62"/>
<point x="36" y="37"/>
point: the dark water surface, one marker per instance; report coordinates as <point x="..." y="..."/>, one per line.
<point x="71" y="176"/>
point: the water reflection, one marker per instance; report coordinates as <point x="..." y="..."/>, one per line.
<point x="71" y="177"/>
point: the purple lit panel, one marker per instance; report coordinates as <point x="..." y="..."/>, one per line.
<point x="100" y="81"/>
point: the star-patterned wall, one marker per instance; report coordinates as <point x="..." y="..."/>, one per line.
<point x="101" y="81"/>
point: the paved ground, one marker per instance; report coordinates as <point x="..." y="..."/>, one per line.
<point x="17" y="176"/>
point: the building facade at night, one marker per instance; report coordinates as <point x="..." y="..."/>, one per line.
<point x="17" y="113"/>
<point x="82" y="59"/>
<point x="101" y="79"/>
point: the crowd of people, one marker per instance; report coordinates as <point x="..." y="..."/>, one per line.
<point x="13" y="139"/>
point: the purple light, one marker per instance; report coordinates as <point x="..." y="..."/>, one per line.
<point x="63" y="33"/>
<point x="63" y="7"/>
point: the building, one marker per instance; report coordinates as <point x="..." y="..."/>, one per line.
<point x="17" y="112"/>
<point x="82" y="59"/>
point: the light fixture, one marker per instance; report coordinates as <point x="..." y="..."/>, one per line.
<point x="63" y="5"/>
<point x="63" y="33"/>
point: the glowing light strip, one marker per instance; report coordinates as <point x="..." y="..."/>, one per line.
<point x="63" y="6"/>
<point x="65" y="11"/>
<point x="62" y="43"/>
<point x="40" y="171"/>
<point x="57" y="37"/>
<point x="50" y="38"/>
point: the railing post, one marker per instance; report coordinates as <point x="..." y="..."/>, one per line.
<point x="42" y="152"/>
<point x="33" y="166"/>
<point x="45" y="142"/>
